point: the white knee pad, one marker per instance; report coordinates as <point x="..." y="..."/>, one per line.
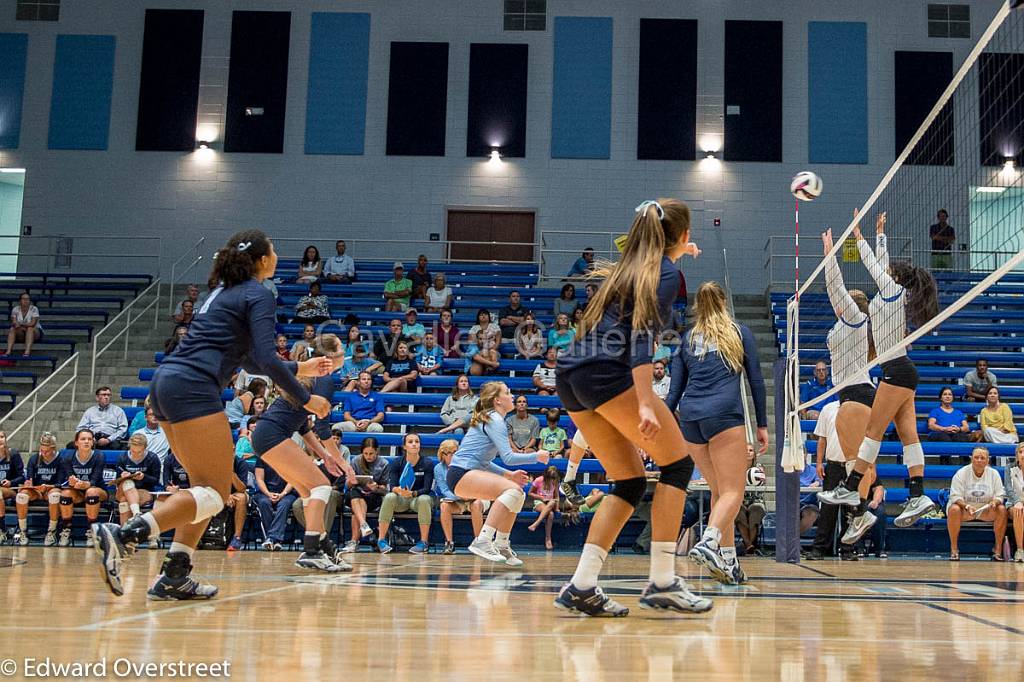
<point x="208" y="502"/>
<point x="513" y="498"/>
<point x="123" y="507"/>
<point x="53" y="497"/>
<point x="21" y="498"/>
<point x="913" y="455"/>
<point x="869" y="450"/>
<point x="127" y="485"/>
<point x="321" y="492"/>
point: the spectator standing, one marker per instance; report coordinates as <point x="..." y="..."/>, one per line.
<point x="397" y="290"/>
<point x="410" y="481"/>
<point x="566" y="302"/>
<point x="312" y="308"/>
<point x="978" y="380"/>
<point x="448" y="335"/>
<point x="451" y="503"/>
<point x="439" y="296"/>
<point x="420" y="278"/>
<point x="512" y="315"/>
<point x="583" y="265"/>
<point x="553" y="437"/>
<point x="458" y="407"/>
<point x="430" y="357"/>
<point x="364" y="497"/>
<point x="310" y="267"/>
<point x="544" y="495"/>
<point x="25" y="326"/>
<point x="523" y="427"/>
<point x="661" y="381"/>
<point x="274" y="499"/>
<point x="363" y="409"/>
<point x="943" y="237"/>
<point x="815" y="386"/>
<point x="107" y="423"/>
<point x="544" y="373"/>
<point x="529" y="339"/>
<point x="1014" y="486"/>
<point x="340" y="269"/>
<point x="996" y="420"/>
<point x="976" y="493"/>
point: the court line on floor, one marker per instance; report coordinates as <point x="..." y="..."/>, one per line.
<point x="977" y="619"/>
<point x="814" y="570"/>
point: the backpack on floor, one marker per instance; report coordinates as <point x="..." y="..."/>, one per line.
<point x="218" y="532"/>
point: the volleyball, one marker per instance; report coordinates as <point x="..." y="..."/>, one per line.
<point x="756" y="476"/>
<point x="806" y="186"/>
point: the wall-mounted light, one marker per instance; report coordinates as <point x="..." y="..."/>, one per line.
<point x="1008" y="166"/>
<point x="495" y="154"/>
<point x="709" y="155"/>
<point x="203" y="144"/>
<point x="711" y="142"/>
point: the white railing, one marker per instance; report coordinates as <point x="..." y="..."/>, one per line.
<point x="559" y="249"/>
<point x="194" y="251"/>
<point x="33" y="400"/>
<point x="132" y="313"/>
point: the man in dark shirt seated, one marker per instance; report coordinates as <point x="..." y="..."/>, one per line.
<point x="511" y="316"/>
<point x="274" y="497"/>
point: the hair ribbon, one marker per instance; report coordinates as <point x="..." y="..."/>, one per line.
<point x="242" y="246"/>
<point x="642" y="208"/>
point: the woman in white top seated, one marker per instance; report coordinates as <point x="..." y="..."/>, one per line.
<point x="25" y="325"/>
<point x="1014" y="485"/>
<point x="439" y="296"/>
<point x="976" y="494"/>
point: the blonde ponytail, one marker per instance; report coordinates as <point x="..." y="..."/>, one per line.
<point x="715" y="327"/>
<point x="485" y="405"/>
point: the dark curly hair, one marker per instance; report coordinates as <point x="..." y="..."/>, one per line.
<point x="922" y="302"/>
<point x="236" y="261"/>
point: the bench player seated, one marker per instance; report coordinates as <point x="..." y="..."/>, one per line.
<point x="42" y="484"/>
<point x="82" y="484"/>
<point x="138" y="475"/>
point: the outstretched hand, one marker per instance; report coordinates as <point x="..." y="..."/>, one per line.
<point x="856" y="224"/>
<point x="826" y="240"/>
<point x="691" y="249"/>
<point x="880" y="223"/>
<point x="316" y="367"/>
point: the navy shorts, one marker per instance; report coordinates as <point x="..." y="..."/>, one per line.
<point x="900" y="372"/>
<point x="178" y="395"/>
<point x="455" y="475"/>
<point x="269" y="435"/>
<point x="700" y="431"/>
<point x="589" y="386"/>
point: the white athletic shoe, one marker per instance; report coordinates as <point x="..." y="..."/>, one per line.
<point x="1018" y="556"/>
<point x="51" y="538"/>
<point x="858" y="527"/>
<point x="65" y="538"/>
<point x="840" y="495"/>
<point x="88" y="537"/>
<point x="710" y="557"/>
<point x="21" y="538"/>
<point x="350" y="547"/>
<point x="675" y="597"/>
<point x="485" y="550"/>
<point x="267" y="546"/>
<point x="915" y="508"/>
<point x="511" y="558"/>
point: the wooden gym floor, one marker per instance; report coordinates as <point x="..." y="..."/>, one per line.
<point x="402" y="617"/>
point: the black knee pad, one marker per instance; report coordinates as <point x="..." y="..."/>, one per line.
<point x="630" y="490"/>
<point x="92" y="499"/>
<point x="678" y="473"/>
<point x="66" y="501"/>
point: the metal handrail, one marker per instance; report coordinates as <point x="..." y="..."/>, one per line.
<point x="34" y="398"/>
<point x="172" y="281"/>
<point x="97" y="351"/>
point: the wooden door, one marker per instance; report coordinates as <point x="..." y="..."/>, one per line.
<point x="510" y="235"/>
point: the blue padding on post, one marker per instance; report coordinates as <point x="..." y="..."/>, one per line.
<point x="581" y="108"/>
<point x="13" y="51"/>
<point x="837" y="90"/>
<point x="83" y="79"/>
<point x="339" y="59"/>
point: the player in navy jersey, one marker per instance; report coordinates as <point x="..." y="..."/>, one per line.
<point x="138" y="475"/>
<point x="235" y="327"/>
<point x="42" y="482"/>
<point x="273" y="443"/>
<point x="604" y="380"/>
<point x="82" y="483"/>
<point x="12" y="475"/>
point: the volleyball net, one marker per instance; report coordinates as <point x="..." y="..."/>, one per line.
<point x="965" y="159"/>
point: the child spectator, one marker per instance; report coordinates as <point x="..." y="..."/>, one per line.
<point x="544" y="373"/>
<point x="410" y="480"/>
<point x="430" y="358"/>
<point x="553" y="437"/>
<point x="412" y="329"/>
<point x="458" y="407"/>
<point x="544" y="493"/>
<point x="281" y="347"/>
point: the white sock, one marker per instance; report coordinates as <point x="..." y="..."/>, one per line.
<point x="663" y="563"/>
<point x="501" y="539"/>
<point x="713" y="536"/>
<point x="135" y="509"/>
<point x="23" y="524"/>
<point x="364" y="528"/>
<point x="487" y="533"/>
<point x="178" y="547"/>
<point x="50" y="528"/>
<point x="154" y="527"/>
<point x="570" y="470"/>
<point x="591" y="560"/>
<point x="729" y="553"/>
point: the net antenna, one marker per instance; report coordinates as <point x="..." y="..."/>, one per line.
<point x="965" y="158"/>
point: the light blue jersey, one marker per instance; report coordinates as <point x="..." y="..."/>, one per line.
<point x="484" y="442"/>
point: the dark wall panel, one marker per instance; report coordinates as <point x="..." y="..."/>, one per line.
<point x="258" y="79"/>
<point x="172" y="48"/>
<point x="417" y="99"/>
<point x="497" y="99"/>
<point x="921" y="77"/>
<point x="667" y="111"/>
<point x="1001" y="103"/>
<point x="753" y="83"/>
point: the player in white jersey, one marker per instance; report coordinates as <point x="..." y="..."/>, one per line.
<point x="904" y="292"/>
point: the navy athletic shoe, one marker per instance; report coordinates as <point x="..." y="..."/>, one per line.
<point x="175" y="582"/>
<point x="675" y="597"/>
<point x="593" y="602"/>
<point x="113" y="552"/>
<point x="572" y="493"/>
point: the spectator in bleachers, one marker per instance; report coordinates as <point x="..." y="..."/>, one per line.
<point x="363" y="409"/>
<point x="815" y="386"/>
<point x="577" y="317"/>
<point x="400" y="372"/>
<point x="240" y="382"/>
<point x="529" y="339"/>
<point x="413" y="329"/>
<point x="996" y="419"/>
<point x="481" y="355"/>
<point x="398" y="290"/>
<point x="83" y="473"/>
<point x="544" y="496"/>
<point x="430" y="357"/>
<point x="258" y="407"/>
<point x="553" y="437"/>
<point x="512" y="315"/>
<point x="451" y="503"/>
<point x="523" y="427"/>
<point x="191" y="294"/>
<point x="310" y="267"/>
<point x="420" y="278"/>
<point x="185" y="314"/>
<point x="238" y="501"/>
<point x="42" y="478"/>
<point x="270" y="286"/>
<point x="12" y="475"/>
<point x="976" y="493"/>
<point x="176" y="336"/>
<point x="566" y="302"/>
<point x="366" y="497"/>
<point x="353" y="338"/>
<point x="458" y="407"/>
<point x="410" y="481"/>
<point x="583" y="265"/>
<point x="448" y="335"/>
<point x="156" y="439"/>
<point x="357" y="364"/>
<point x="274" y="498"/>
<point x="943" y="237"/>
<point x="384" y="347"/>
<point x="661" y="381"/>
<point x="304" y="347"/>
<point x="946" y="423"/>
<point x="562" y="334"/>
<point x="281" y="347"/>
<point x="107" y="423"/>
<point x="25" y="327"/>
<point x="238" y="408"/>
<point x="138" y="475"/>
<point x="544" y="373"/>
<point x="485" y="325"/>
<point x="139" y="420"/>
<point x="591" y="290"/>
<point x="439" y="296"/>
<point x="1014" y="486"/>
<point x="312" y="308"/>
<point x="978" y="380"/>
<point x="243" y="446"/>
<point x="752" y="511"/>
<point x="340" y="269"/>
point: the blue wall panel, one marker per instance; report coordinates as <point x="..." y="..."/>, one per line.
<point x="837" y="90"/>
<point x="83" y="78"/>
<point x="13" y="48"/>
<point x="339" y="59"/>
<point x="581" y="109"/>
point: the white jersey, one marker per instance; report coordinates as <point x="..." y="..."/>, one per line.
<point x="826" y="428"/>
<point x="848" y="339"/>
<point x="887" y="309"/>
<point x="976" y="490"/>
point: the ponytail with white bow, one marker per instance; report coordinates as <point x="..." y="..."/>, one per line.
<point x="238" y="261"/>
